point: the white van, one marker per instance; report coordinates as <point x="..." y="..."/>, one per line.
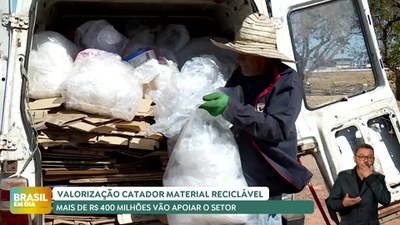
<point x="343" y="105"/>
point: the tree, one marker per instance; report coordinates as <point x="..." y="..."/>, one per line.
<point x="386" y="19"/>
<point x="323" y="33"/>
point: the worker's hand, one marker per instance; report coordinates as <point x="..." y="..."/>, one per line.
<point x="347" y="201"/>
<point x="365" y="171"/>
<point x="215" y="103"/>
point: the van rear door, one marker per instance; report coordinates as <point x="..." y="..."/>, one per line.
<point x="348" y="99"/>
<point x="17" y="141"/>
<point x="4" y="50"/>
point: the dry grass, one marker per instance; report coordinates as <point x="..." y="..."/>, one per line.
<point x="323" y="87"/>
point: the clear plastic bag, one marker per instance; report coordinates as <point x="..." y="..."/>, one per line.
<point x="100" y="83"/>
<point x="99" y="34"/>
<point x="140" y="37"/>
<point x="173" y="37"/>
<point x="160" y="73"/>
<point x="205" y="155"/>
<point x="174" y="104"/>
<point x="50" y="62"/>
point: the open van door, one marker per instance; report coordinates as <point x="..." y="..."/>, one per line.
<point x="17" y="141"/>
<point x="346" y="103"/>
<point x="4" y="50"/>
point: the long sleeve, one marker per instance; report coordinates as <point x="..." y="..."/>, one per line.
<point x="378" y="186"/>
<point x="267" y="138"/>
<point x="335" y="198"/>
<point x="279" y="116"/>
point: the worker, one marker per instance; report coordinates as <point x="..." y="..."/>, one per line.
<point x="264" y="123"/>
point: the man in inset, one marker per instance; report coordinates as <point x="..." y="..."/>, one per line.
<point x="357" y="192"/>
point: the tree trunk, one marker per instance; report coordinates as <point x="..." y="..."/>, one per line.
<point x="397" y="82"/>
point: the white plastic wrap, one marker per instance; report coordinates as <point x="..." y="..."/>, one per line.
<point x="174" y="37"/>
<point x="205" y="155"/>
<point x="198" y="77"/>
<point x="50" y="62"/>
<point x="99" y="34"/>
<point x="160" y="73"/>
<point x="100" y="83"/>
<point x="164" y="77"/>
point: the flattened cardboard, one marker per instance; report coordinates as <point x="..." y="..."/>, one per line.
<point x="46" y="103"/>
<point x="143" y="143"/>
<point x="97" y="120"/>
<point x="39" y="116"/>
<point x="60" y="120"/>
<point x="134" y="126"/>
<point x="104" y="129"/>
<point x="144" y="105"/>
<point x="112" y="140"/>
<point x="82" y="126"/>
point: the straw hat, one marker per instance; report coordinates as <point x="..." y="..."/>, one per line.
<point x="257" y="36"/>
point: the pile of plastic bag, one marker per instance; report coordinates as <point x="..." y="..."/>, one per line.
<point x="205" y="155"/>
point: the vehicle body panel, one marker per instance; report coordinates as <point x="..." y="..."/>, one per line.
<point x="329" y="129"/>
<point x="349" y="112"/>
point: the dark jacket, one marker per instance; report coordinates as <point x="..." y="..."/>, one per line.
<point x="267" y="140"/>
<point x="373" y="190"/>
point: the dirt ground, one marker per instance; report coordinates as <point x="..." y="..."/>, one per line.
<point x="324" y="87"/>
<point x="316" y="218"/>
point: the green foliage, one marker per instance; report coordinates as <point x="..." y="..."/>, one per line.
<point x="386" y="19"/>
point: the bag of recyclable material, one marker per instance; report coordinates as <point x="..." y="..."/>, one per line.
<point x="99" y="34"/>
<point x="205" y="155"/>
<point x="174" y="104"/>
<point x="173" y="37"/>
<point x="50" y="62"/>
<point x="161" y="74"/>
<point x="140" y="37"/>
<point x="101" y="83"/>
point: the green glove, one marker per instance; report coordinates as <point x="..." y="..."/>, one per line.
<point x="215" y="103"/>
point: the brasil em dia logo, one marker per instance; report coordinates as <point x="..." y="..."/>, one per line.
<point x="30" y="200"/>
